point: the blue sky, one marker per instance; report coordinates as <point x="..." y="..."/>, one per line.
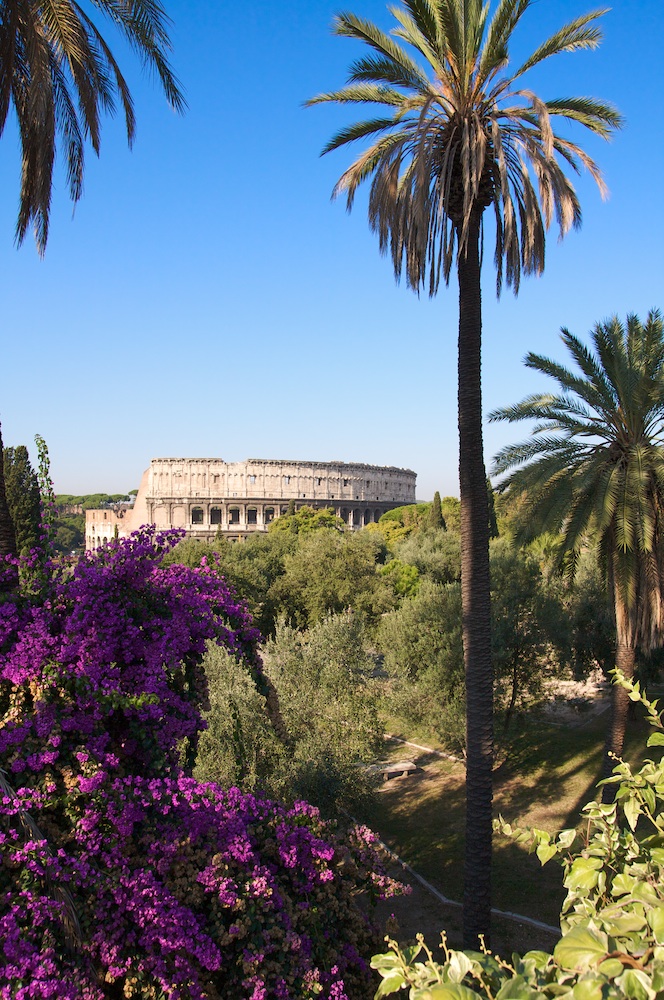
<point x="207" y="298"/>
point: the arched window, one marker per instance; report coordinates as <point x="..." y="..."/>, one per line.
<point x="215" y="515"/>
<point x="234" y="515"/>
<point x="268" y="515"/>
<point x="197" y="515"/>
<point x="252" y="515"/>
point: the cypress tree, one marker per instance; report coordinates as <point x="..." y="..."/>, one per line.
<point x="8" y="579"/>
<point x="22" y="495"/>
<point x="436" y="519"/>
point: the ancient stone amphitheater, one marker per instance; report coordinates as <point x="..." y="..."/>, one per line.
<point x="206" y="495"/>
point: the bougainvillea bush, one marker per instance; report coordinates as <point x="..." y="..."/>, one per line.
<point x="121" y="875"/>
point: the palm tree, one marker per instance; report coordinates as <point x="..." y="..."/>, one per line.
<point x="457" y="134"/>
<point x="58" y="73"/>
<point x="594" y="470"/>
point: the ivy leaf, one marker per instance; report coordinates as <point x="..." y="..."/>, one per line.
<point x="611" y="968"/>
<point x="545" y="852"/>
<point x="583" y="875"/>
<point x="624" y="924"/>
<point x="388" y="961"/>
<point x="448" y="991"/>
<point x="458" y="966"/>
<point x="566" y="838"/>
<point x="632" y="809"/>
<point x="588" y="988"/>
<point x="656" y="921"/>
<point x="636" y="984"/>
<point x="581" y="948"/>
<point x="622" y="884"/>
<point x="392" y="983"/>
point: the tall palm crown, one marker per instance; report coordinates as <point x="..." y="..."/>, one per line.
<point x="457" y="133"/>
<point x="594" y="466"/>
<point x="58" y="73"/>
<point x="463" y="136"/>
<point x="594" y="469"/>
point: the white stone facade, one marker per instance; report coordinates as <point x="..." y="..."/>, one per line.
<point x="207" y="495"/>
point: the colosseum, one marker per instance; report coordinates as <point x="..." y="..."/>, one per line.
<point x="207" y="495"/>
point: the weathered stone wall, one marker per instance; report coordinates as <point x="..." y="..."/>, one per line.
<point x="205" y="495"/>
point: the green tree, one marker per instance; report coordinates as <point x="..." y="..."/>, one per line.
<point x="594" y="468"/>
<point x="421" y="645"/>
<point x="451" y="509"/>
<point x="307" y="519"/>
<point x="59" y="75"/>
<point x="322" y="677"/>
<point x="22" y="491"/>
<point x="436" y="519"/>
<point x="330" y="572"/>
<point x="8" y="578"/>
<point x="435" y="554"/>
<point x="528" y="620"/>
<point x="252" y="566"/>
<point x="464" y="135"/>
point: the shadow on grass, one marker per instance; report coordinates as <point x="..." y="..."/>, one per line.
<point x="547" y="778"/>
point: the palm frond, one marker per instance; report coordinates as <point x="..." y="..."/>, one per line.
<point x="380" y="69"/>
<point x="594" y="465"/>
<point x="580" y="33"/>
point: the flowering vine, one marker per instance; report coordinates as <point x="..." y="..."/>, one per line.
<point x="120" y="875"/>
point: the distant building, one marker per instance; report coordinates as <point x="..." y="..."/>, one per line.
<point x="206" y="495"/>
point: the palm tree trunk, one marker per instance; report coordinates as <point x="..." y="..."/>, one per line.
<point x="476" y="602"/>
<point x="615" y="738"/>
<point x="8" y="579"/>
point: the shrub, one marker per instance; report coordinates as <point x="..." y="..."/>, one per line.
<point x="120" y="874"/>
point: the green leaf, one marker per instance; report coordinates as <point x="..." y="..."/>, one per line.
<point x="566" y="838"/>
<point x="656" y="921"/>
<point x="632" y="809"/>
<point x="611" y="968"/>
<point x="622" y="884"/>
<point x="411" y="953"/>
<point x="657" y="975"/>
<point x="588" y="988"/>
<point x="388" y="961"/>
<point x="545" y="852"/>
<point x="392" y="983"/>
<point x="583" y="875"/>
<point x="636" y="984"/>
<point x="517" y="988"/>
<point x="624" y="924"/>
<point x="448" y="991"/>
<point x="583" y="947"/>
<point x="458" y="966"/>
<point x="656" y="740"/>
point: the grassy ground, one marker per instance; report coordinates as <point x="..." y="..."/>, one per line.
<point x="549" y="775"/>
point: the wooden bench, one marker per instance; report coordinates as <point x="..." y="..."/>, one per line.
<point x="399" y="770"/>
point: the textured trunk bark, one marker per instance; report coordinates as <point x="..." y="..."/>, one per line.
<point x="8" y="579"/>
<point x="476" y="602"/>
<point x="615" y="738"/>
